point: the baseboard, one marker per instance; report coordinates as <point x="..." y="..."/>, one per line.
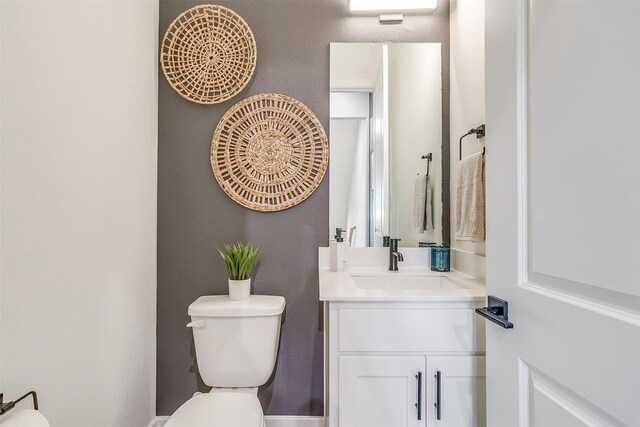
<point x="270" y="421"/>
<point x="293" y="421"/>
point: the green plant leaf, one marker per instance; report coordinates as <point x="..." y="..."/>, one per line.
<point x="239" y="259"/>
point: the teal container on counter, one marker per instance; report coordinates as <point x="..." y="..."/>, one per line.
<point x="440" y="256"/>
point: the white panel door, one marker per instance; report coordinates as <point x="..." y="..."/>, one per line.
<point x="381" y="391"/>
<point x="563" y="211"/>
<point x="461" y="397"/>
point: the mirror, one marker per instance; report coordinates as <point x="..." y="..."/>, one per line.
<point x="386" y="143"/>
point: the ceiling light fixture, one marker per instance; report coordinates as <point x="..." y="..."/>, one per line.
<point x="391" y="5"/>
<point x="391" y="18"/>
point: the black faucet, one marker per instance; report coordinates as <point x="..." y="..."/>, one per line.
<point x="394" y="255"/>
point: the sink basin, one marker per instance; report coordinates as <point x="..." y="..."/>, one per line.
<point x="406" y="283"/>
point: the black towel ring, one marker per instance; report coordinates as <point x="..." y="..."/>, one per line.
<point x="479" y="132"/>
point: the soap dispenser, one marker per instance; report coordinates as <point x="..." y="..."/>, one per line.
<point x="339" y="253"/>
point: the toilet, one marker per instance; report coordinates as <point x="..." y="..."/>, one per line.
<point x="236" y="347"/>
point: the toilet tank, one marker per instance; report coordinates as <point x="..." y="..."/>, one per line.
<point x="236" y="341"/>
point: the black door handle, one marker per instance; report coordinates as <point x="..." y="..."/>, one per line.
<point x="497" y="311"/>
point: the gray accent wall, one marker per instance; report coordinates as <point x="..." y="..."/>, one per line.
<point x="195" y="215"/>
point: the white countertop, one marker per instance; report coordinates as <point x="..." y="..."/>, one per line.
<point x="372" y="262"/>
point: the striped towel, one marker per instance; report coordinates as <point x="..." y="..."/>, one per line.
<point x="470" y="199"/>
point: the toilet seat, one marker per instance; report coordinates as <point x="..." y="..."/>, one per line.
<point x="220" y="409"/>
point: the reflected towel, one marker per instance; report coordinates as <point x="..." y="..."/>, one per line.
<point x="423" y="204"/>
<point x="470" y="199"/>
<point x="428" y="205"/>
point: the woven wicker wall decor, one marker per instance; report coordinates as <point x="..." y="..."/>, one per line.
<point x="208" y="54"/>
<point x="269" y="152"/>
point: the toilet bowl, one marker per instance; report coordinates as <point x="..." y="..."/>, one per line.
<point x="236" y="347"/>
<point x="223" y="409"/>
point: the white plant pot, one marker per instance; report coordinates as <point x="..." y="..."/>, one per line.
<point x="239" y="289"/>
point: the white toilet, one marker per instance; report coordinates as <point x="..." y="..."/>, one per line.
<point x="236" y="348"/>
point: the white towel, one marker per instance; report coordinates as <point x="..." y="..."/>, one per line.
<point x="470" y="199"/>
<point x="423" y="204"/>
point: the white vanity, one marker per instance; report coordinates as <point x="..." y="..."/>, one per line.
<point x="389" y="335"/>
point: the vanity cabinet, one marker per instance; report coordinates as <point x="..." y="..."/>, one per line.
<point x="381" y="391"/>
<point x="384" y="357"/>
<point x="462" y="390"/>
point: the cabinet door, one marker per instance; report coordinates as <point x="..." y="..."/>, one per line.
<point x="462" y="391"/>
<point x="381" y="391"/>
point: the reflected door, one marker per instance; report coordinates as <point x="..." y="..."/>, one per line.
<point x="379" y="194"/>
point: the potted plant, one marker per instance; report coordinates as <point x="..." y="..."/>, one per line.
<point x="239" y="258"/>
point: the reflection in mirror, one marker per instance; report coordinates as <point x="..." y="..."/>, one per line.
<point x="386" y="142"/>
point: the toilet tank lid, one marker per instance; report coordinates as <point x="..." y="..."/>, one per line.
<point x="222" y="306"/>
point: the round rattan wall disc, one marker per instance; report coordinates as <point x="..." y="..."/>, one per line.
<point x="269" y="152"/>
<point x="208" y="54"/>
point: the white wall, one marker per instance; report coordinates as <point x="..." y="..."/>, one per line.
<point x="349" y="104"/>
<point x="354" y="66"/>
<point x="78" y="208"/>
<point x="466" y="111"/>
<point x="415" y="129"/>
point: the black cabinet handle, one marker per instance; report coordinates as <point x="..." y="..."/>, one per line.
<point x="419" y="403"/>
<point x="438" y="404"/>
<point x="497" y="311"/>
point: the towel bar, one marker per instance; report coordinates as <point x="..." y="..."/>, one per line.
<point x="429" y="157"/>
